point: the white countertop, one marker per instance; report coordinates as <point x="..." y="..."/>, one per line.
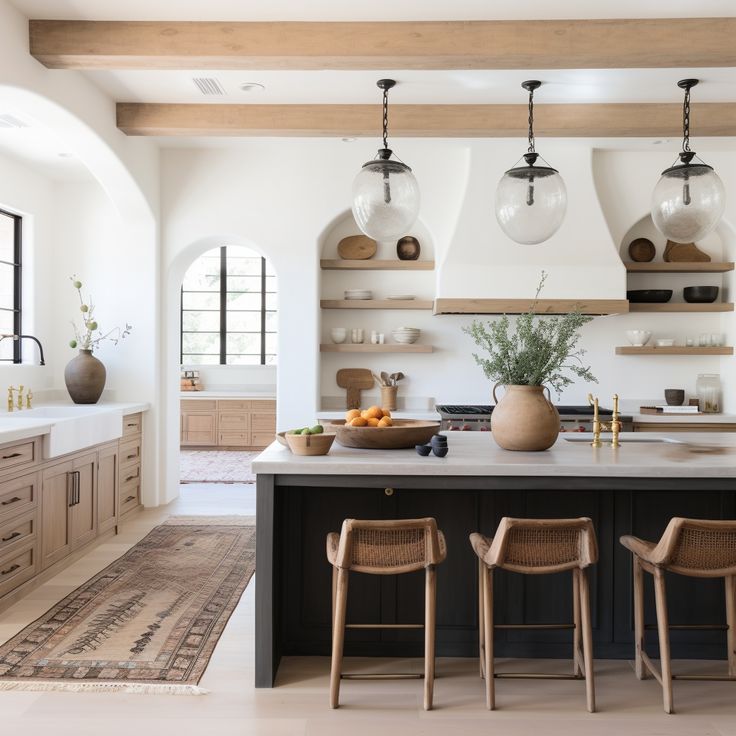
<point x="687" y="454"/>
<point x="686" y="418"/>
<point x="227" y="395"/>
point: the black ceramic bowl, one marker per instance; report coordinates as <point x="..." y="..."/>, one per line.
<point x="649" y="296"/>
<point x="423" y="450"/>
<point x="700" y="294"/>
<point x="439" y="451"/>
<point x="439" y="439"/>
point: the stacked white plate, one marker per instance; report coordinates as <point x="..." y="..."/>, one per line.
<point x="358" y="294"/>
<point x="401" y="297"/>
<point x="406" y="335"/>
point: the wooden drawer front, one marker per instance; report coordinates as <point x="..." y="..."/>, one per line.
<point x="261" y="439"/>
<point x="234" y="422"/>
<point x="132" y="425"/>
<point x="130" y="452"/>
<point x="266" y="405"/>
<point x="234" y="405"/>
<point x="263" y="422"/>
<point x="198" y="405"/>
<point x="18" y="496"/>
<point x="130" y="497"/>
<point x="130" y="473"/>
<point x="13" y="456"/>
<point x="17" y="533"/>
<point x="234" y="439"/>
<point x="16" y="568"/>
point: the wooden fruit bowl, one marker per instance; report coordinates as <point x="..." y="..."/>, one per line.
<point x="310" y="444"/>
<point x="404" y="433"/>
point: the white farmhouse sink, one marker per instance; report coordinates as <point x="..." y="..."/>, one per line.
<point x="74" y="428"/>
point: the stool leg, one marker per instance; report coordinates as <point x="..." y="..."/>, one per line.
<point x="481" y="627"/>
<point x="577" y="669"/>
<point x="639" y="666"/>
<point x="488" y="636"/>
<point x="660" y="598"/>
<point x="430" y="610"/>
<point x="587" y="638"/>
<point x="334" y="595"/>
<point x="731" y="621"/>
<point x="338" y="636"/>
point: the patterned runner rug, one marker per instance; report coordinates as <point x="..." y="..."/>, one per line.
<point x="148" y="622"/>
<point x="216" y="466"/>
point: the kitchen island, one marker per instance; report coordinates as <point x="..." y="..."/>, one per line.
<point x="635" y="489"/>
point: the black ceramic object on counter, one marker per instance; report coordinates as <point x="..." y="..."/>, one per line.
<point x="649" y="296"/>
<point x="674" y="396"/>
<point x="439" y="451"/>
<point x="700" y="294"/>
<point x="423" y="450"/>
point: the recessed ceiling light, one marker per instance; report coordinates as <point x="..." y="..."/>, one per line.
<point x="252" y="87"/>
<point x="660" y="141"/>
<point x="349" y="140"/>
<point x="64" y="154"/>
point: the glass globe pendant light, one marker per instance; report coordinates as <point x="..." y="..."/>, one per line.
<point x="385" y="192"/>
<point x="531" y="200"/>
<point x="689" y="198"/>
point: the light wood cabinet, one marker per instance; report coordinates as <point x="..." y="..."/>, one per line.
<point x="107" y="488"/>
<point x="83" y="510"/>
<point x="242" y="423"/>
<point x="683" y="427"/>
<point x="56" y="491"/>
<point x="129" y="474"/>
<point x="199" y="428"/>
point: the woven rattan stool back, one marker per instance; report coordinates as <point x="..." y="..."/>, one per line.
<point x="698" y="548"/>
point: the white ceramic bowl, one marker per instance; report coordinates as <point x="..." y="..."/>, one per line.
<point x="664" y="342"/>
<point x="358" y="294"/>
<point x="638" y="337"/>
<point x="406" y="335"/>
<point x="338" y="334"/>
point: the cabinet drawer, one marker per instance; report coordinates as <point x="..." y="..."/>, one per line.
<point x="263" y="422"/>
<point x="198" y="404"/>
<point x="16" y="568"/>
<point x="234" y="422"/>
<point x="132" y="425"/>
<point x="17" y="533"/>
<point x="14" y="456"/>
<point x="262" y="439"/>
<point x="234" y="439"/>
<point x="130" y="452"/>
<point x="130" y="497"/>
<point x="18" y="496"/>
<point x="234" y="405"/>
<point x="130" y="473"/>
<point x="267" y="405"/>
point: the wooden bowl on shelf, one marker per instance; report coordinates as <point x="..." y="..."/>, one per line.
<point x="310" y="444"/>
<point x="403" y="434"/>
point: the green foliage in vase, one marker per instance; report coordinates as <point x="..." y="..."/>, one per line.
<point x="85" y="338"/>
<point x="541" y="351"/>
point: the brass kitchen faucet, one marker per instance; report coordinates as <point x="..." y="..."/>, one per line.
<point x="614" y="426"/>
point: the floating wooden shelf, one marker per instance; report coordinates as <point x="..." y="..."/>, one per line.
<point x="393" y="347"/>
<point x="376" y="304"/>
<point x="370" y="265"/>
<point x="681" y="307"/>
<point x="517" y="306"/>
<point x="678" y="267"/>
<point x="674" y="350"/>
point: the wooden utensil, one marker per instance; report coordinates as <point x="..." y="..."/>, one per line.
<point x="404" y="433"/>
<point x="684" y="252"/>
<point x="357" y="247"/>
<point x="354" y="380"/>
<point x="641" y="250"/>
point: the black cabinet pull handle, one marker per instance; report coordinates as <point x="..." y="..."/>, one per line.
<point x="131" y="477"/>
<point x="13" y="454"/>
<point x="130" y="457"/>
<point x="12" y="568"/>
<point x="77" y="485"/>
<point x="132" y="424"/>
<point x="12" y="536"/>
<point x="12" y="500"/>
<point x="130" y="498"/>
<point x="70" y="489"/>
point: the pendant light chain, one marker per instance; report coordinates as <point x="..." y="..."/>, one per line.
<point x="531" y="121"/>
<point x="385" y="118"/>
<point x="686" y="121"/>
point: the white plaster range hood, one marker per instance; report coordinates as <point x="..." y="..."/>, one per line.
<point x="484" y="272"/>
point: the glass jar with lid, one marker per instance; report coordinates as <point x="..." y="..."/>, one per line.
<point x="708" y="389"/>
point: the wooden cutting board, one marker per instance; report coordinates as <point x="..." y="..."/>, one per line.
<point x="684" y="252"/>
<point x="356" y="247"/>
<point x="354" y="380"/>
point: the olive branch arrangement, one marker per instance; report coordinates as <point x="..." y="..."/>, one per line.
<point x="85" y="339"/>
<point x="540" y="351"/>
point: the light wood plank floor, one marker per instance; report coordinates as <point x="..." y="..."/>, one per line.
<point x="298" y="707"/>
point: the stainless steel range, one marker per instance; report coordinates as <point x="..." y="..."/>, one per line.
<point x="477" y="417"/>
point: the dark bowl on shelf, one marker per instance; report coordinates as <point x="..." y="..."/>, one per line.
<point x="649" y="296"/>
<point x="700" y="294"/>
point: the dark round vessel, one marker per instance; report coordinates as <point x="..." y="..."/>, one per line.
<point x="408" y="248"/>
<point x="700" y="294"/>
<point x="85" y="378"/>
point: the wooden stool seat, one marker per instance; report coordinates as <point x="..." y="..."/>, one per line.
<point x="695" y="548"/>
<point x="538" y="547"/>
<point x="384" y="548"/>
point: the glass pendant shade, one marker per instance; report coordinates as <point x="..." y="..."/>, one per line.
<point x="688" y="202"/>
<point x="385" y="199"/>
<point x="531" y="202"/>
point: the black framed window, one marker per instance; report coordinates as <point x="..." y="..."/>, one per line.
<point x="229" y="309"/>
<point x="11" y="242"/>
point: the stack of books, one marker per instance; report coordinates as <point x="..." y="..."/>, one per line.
<point x="669" y="409"/>
<point x="189" y="381"/>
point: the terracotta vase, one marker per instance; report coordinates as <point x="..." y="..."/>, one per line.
<point x="85" y="378"/>
<point x="524" y="419"/>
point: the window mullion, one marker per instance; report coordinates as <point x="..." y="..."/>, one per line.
<point x="223" y="305"/>
<point x="263" y="311"/>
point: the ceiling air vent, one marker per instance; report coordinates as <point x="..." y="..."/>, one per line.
<point x="12" y="121"/>
<point x="208" y="86"/>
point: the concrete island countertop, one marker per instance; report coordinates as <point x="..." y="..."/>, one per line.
<point x="650" y="455"/>
<point x="685" y="418"/>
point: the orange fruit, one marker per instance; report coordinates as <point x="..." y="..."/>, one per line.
<point x="374" y="412"/>
<point x="373" y="422"/>
<point x="385" y="422"/>
<point x="358" y="422"/>
<point x="350" y="415"/>
<point x="365" y="414"/>
<point x="386" y="412"/>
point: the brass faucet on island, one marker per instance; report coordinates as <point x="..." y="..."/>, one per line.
<point x="614" y="426"/>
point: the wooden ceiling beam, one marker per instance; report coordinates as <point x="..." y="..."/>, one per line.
<point x="537" y="44"/>
<point x="629" y="120"/>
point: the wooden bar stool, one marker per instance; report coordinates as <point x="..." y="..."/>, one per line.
<point x="383" y="548"/>
<point x="696" y="548"/>
<point x="538" y="547"/>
